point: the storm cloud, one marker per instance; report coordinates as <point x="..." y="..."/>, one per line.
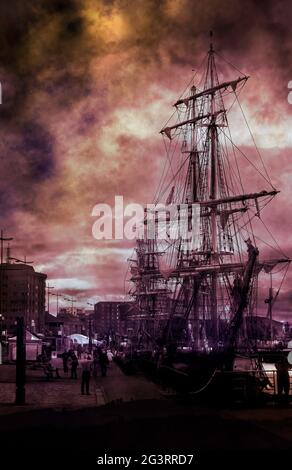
<point x="88" y="84"/>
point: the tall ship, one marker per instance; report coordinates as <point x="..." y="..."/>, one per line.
<point x="195" y="271"/>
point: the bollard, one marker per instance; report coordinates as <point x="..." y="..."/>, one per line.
<point x="20" y="363"/>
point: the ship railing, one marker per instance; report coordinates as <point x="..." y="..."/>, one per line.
<point x="242" y="386"/>
<point x="272" y="388"/>
<point x="268" y="377"/>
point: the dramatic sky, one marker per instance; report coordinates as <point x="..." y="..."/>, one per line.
<point x="87" y="85"/>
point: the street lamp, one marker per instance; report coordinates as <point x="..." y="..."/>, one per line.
<point x="48" y="289"/>
<point x="72" y="301"/>
<point x="57" y="295"/>
<point x="90" y="330"/>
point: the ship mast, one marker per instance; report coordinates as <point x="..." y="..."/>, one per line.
<point x="194" y="156"/>
<point x="207" y="284"/>
<point x="213" y="196"/>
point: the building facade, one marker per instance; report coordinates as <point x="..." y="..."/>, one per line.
<point x="72" y="324"/>
<point x="22" y="294"/>
<point x="67" y="324"/>
<point x="112" y="317"/>
<point x="75" y="311"/>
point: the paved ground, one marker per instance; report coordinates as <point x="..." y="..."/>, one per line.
<point x="66" y="392"/>
<point x="41" y="392"/>
<point x="135" y="417"/>
<point x="118" y="386"/>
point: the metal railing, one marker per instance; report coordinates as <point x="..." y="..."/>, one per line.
<point x="273" y="387"/>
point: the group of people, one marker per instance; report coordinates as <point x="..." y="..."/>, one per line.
<point x="70" y="360"/>
<point x="100" y="358"/>
<point x="89" y="364"/>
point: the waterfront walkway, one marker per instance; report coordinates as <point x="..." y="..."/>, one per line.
<point x="129" y="412"/>
<point x="66" y="392"/>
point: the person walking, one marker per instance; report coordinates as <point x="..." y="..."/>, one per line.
<point x="110" y="356"/>
<point x="74" y="365"/>
<point x="86" y="373"/>
<point x="79" y="351"/>
<point x="103" y="362"/>
<point x="283" y="378"/>
<point x="95" y="364"/>
<point x="65" y="357"/>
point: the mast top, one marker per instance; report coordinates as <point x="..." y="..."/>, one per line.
<point x="211" y="42"/>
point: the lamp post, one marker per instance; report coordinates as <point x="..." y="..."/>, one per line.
<point x="20" y="362"/>
<point x="57" y="295"/>
<point x="49" y="293"/>
<point x="90" y="331"/>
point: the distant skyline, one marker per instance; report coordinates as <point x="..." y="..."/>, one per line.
<point x="86" y="87"/>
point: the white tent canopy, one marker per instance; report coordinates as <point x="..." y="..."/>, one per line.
<point x="29" y="337"/>
<point x="82" y="339"/>
<point x="33" y="346"/>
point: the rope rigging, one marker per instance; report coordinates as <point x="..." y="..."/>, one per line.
<point x="203" y="166"/>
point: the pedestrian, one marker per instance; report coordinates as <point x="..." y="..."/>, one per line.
<point x="74" y="365"/>
<point x="110" y="356"/>
<point x="95" y="365"/>
<point x="283" y="378"/>
<point x="103" y="362"/>
<point x="49" y="370"/>
<point x="65" y="357"/>
<point x="86" y="372"/>
<point x="79" y="351"/>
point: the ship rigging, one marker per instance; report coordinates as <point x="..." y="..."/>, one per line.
<point x="198" y="293"/>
